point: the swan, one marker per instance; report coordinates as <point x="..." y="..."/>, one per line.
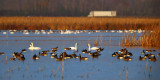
<point x="33" y="48"/>
<point x="74" y="48"/>
<point x="92" y="48"/>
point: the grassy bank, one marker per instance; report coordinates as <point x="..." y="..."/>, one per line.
<point x="77" y="23"/>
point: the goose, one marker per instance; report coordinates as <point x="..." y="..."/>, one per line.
<point x="45" y="52"/>
<point x="1" y="53"/>
<point x="23" y="50"/>
<point x="127" y="59"/>
<point x="150" y="50"/>
<point x="12" y="59"/>
<point x="53" y="56"/>
<point x="59" y="59"/>
<point x="120" y="57"/>
<point x="141" y="58"/>
<point x="152" y="59"/>
<point x="68" y="57"/>
<point x="95" y="55"/>
<point x="143" y="52"/>
<point x="92" y="48"/>
<point x="35" y="57"/>
<point x="158" y="54"/>
<point x="54" y="51"/>
<point x="128" y="54"/>
<point x="114" y="54"/>
<point x="55" y="48"/>
<point x="84" y="51"/>
<point x="74" y="55"/>
<point x="22" y="58"/>
<point x="42" y="54"/>
<point x="82" y="58"/>
<point x="100" y="49"/>
<point x="74" y="48"/>
<point x="17" y="55"/>
<point x="123" y="50"/>
<point x="33" y="48"/>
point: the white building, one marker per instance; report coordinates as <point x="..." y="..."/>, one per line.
<point x="102" y="13"/>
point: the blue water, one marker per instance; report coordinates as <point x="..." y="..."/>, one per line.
<point x="105" y="67"/>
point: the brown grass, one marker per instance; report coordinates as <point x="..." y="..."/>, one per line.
<point x="77" y="23"/>
<point x="149" y="39"/>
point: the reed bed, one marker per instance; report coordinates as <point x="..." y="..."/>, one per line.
<point x="149" y="39"/>
<point x="77" y="23"/>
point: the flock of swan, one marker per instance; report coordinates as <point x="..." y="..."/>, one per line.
<point x="32" y="47"/>
<point x="26" y="32"/>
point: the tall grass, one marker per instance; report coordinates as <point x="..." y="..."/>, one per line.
<point x="77" y="23"/>
<point x="149" y="39"/>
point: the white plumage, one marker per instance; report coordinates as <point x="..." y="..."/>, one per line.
<point x="33" y="48"/>
<point x="74" y="48"/>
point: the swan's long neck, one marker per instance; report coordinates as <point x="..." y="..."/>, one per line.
<point x="31" y="45"/>
<point x="89" y="47"/>
<point x="76" y="46"/>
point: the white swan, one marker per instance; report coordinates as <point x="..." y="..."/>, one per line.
<point x="33" y="48"/>
<point x="92" y="48"/>
<point x="74" y="48"/>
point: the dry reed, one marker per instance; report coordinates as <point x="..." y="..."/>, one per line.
<point x="149" y="39"/>
<point x="77" y="23"/>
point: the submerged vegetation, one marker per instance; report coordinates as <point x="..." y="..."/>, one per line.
<point x="77" y="23"/>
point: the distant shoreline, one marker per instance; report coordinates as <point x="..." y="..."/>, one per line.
<point x="78" y="23"/>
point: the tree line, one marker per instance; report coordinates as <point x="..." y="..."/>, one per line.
<point x="78" y="7"/>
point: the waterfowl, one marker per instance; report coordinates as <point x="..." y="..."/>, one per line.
<point x="150" y="50"/>
<point x="52" y="53"/>
<point x="35" y="57"/>
<point x="84" y="51"/>
<point x="141" y="58"/>
<point x="59" y="59"/>
<point x="74" y="55"/>
<point x="92" y="48"/>
<point x="55" y="48"/>
<point x="33" y="48"/>
<point x="114" y="54"/>
<point x="158" y="54"/>
<point x="1" y="53"/>
<point x="17" y="55"/>
<point x="123" y="50"/>
<point x="143" y="52"/>
<point x="74" y="48"/>
<point x="45" y="51"/>
<point x="23" y="50"/>
<point x="82" y="58"/>
<point x="128" y="54"/>
<point x="152" y="58"/>
<point x="64" y="54"/>
<point x="12" y="59"/>
<point x="95" y="55"/>
<point x="148" y="55"/>
<point x="127" y="59"/>
<point x="68" y="57"/>
<point x="53" y="56"/>
<point x="42" y="54"/>
<point x="100" y="49"/>
<point x="22" y="58"/>
<point x="120" y="57"/>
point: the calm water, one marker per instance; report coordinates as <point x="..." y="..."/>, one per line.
<point x="105" y="67"/>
